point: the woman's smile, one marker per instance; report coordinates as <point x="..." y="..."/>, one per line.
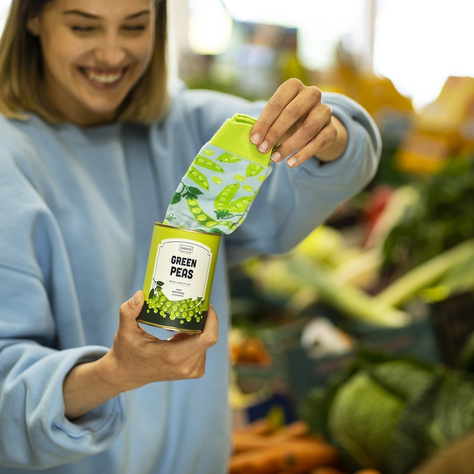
<point x="103" y="78"/>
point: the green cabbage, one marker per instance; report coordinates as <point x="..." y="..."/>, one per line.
<point x="392" y="413"/>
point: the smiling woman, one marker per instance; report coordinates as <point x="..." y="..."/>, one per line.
<point x="96" y="64"/>
<point x="93" y="145"/>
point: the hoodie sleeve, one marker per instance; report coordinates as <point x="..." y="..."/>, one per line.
<point x="293" y="202"/>
<point x="40" y="329"/>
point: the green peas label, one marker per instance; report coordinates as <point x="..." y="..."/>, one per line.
<point x="178" y="279"/>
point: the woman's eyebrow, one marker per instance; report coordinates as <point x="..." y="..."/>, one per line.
<point x="95" y="17"/>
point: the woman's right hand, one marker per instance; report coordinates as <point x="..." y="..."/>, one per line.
<point x="136" y="359"/>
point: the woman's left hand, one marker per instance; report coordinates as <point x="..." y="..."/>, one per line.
<point x="297" y="125"/>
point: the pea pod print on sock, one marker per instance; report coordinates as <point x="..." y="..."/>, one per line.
<point x="222" y="182"/>
<point x="204" y="219"/>
<point x="228" y="158"/>
<point x="253" y="169"/>
<point x="224" y="198"/>
<point x="240" y="205"/>
<point x="198" y="177"/>
<point x="199" y="215"/>
<point x="208" y="164"/>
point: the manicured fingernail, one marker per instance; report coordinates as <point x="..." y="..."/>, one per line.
<point x="255" y="138"/>
<point x="263" y="147"/>
<point x="275" y="156"/>
<point x="291" y="162"/>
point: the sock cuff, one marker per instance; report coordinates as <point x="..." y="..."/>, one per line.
<point x="233" y="137"/>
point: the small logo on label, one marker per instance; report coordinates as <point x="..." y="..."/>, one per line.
<point x="185" y="248"/>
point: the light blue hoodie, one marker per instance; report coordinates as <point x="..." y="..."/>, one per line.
<point x="77" y="208"/>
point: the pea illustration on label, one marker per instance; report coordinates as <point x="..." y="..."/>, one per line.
<point x="183" y="310"/>
<point x="179" y="276"/>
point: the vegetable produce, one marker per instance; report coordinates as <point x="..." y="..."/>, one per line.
<point x="261" y="449"/>
<point x="245" y="440"/>
<point x="293" y="456"/>
<point x="428" y="273"/>
<point x="326" y="470"/>
<point x="347" y="298"/>
<point x="441" y="217"/>
<point x="451" y="271"/>
<point x="248" y="350"/>
<point x="392" y="413"/>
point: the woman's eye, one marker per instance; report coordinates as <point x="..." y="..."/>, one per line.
<point x="82" y="29"/>
<point x="134" y="28"/>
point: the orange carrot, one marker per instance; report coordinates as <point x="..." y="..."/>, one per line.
<point x="295" y="456"/>
<point x="292" y="430"/>
<point x="326" y="470"/>
<point x="261" y="427"/>
<point x="245" y="440"/>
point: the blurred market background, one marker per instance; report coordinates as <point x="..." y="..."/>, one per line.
<point x="363" y="333"/>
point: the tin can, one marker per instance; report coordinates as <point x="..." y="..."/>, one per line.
<point x="178" y="279"/>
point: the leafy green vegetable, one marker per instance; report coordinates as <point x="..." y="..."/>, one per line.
<point x="363" y="418"/>
<point x="452" y="268"/>
<point x="392" y="413"/>
<point x="345" y="297"/>
<point x="415" y="377"/>
<point x="442" y="217"/>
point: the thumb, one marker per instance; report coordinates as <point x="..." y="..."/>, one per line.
<point x="130" y="310"/>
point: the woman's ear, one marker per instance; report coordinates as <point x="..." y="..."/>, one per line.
<point x="32" y="25"/>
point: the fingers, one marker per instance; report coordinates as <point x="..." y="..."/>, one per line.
<point x="296" y="122"/>
<point x="210" y="334"/>
<point x="265" y="133"/>
<point x="306" y="142"/>
<point x="194" y="343"/>
<point x="184" y="355"/>
<point x="143" y="358"/>
<point x="130" y="310"/>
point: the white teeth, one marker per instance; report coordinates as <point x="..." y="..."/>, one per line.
<point x="103" y="77"/>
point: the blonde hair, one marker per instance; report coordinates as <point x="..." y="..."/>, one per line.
<point x="21" y="71"/>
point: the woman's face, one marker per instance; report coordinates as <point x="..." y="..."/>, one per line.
<point x="94" y="52"/>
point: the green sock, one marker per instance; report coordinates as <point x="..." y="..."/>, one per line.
<point x="219" y="187"/>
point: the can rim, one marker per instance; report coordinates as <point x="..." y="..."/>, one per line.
<point x="184" y="229"/>
<point x="170" y="328"/>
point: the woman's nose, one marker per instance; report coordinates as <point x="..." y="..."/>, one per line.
<point x="110" y="51"/>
